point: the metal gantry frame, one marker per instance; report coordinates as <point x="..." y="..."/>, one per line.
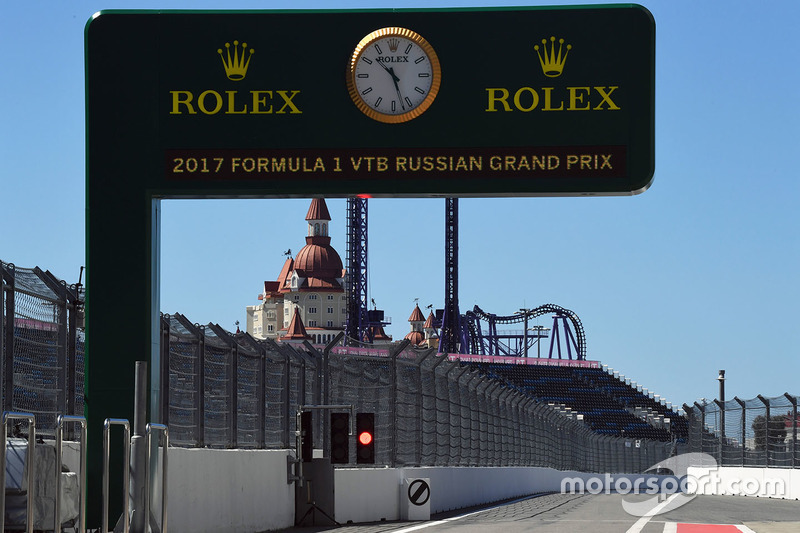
<point x="357" y="328"/>
<point x="453" y="337"/>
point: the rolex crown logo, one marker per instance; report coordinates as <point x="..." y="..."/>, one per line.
<point x="393" y="44"/>
<point x="552" y="61"/>
<point x="236" y="66"/>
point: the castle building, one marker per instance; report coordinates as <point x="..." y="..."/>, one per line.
<point x="309" y="293"/>
<point x="423" y="332"/>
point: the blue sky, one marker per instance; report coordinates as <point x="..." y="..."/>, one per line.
<point x="697" y="274"/>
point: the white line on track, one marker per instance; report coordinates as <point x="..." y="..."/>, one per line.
<point x="459" y="517"/>
<point x="639" y="525"/>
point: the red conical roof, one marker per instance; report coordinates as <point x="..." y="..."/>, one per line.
<point x="429" y="322"/>
<point x="296" y="331"/>
<point x="318" y="210"/>
<point x="416" y="316"/>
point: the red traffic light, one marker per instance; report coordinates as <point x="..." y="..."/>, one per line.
<point x="365" y="437"/>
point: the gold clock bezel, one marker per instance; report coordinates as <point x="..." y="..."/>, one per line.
<point x="426" y="48"/>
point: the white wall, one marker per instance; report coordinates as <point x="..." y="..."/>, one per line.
<point x="746" y="481"/>
<point x="367" y="495"/>
<point x="236" y="491"/>
<point x="243" y="491"/>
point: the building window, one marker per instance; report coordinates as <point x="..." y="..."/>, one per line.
<point x="330" y="297"/>
<point x="312" y="323"/>
<point x="330" y="310"/>
<point x="296" y="297"/>
<point x="312" y="296"/>
<point x="271" y="314"/>
<point x="330" y="323"/>
<point x="285" y="311"/>
<point x="344" y="311"/>
<point x="312" y="310"/>
<point x="270" y="328"/>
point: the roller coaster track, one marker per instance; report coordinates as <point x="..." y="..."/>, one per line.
<point x="474" y="317"/>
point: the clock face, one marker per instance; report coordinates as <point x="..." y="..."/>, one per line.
<point x="393" y="75"/>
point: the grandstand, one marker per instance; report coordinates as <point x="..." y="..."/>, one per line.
<point x="607" y="403"/>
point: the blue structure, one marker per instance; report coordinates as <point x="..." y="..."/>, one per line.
<point x="489" y="341"/>
<point x="362" y="323"/>
<point x="453" y="336"/>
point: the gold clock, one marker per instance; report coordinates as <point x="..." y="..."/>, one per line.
<point x="393" y="75"/>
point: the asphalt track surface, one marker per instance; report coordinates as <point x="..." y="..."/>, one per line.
<point x="601" y="513"/>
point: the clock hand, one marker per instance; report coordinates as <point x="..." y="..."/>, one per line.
<point x="390" y="71"/>
<point x="395" y="79"/>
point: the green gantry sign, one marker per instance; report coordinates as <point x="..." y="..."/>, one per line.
<point x="386" y="103"/>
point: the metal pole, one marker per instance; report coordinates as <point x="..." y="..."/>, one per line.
<point x="149" y="431"/>
<point x="793" y="401"/>
<point x="125" y="471"/>
<point x="139" y="466"/>
<point x="30" y="462"/>
<point x="525" y="336"/>
<point x="721" y="379"/>
<point x="743" y="435"/>
<point x="57" y="503"/>
<point x="766" y="427"/>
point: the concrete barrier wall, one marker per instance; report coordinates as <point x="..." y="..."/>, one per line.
<point x="236" y="491"/>
<point x="244" y="491"/>
<point x="367" y="495"/>
<point x="746" y="481"/>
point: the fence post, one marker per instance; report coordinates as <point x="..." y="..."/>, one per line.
<point x="721" y="428"/>
<point x="690" y="416"/>
<point x="393" y="405"/>
<point x="72" y="354"/>
<point x="701" y="425"/>
<point x="287" y="408"/>
<point x="744" y="429"/>
<point x="165" y="362"/>
<point x="233" y="401"/>
<point x="261" y="426"/>
<point x="59" y="289"/>
<point x="326" y="386"/>
<point x="7" y="365"/>
<point x="200" y="383"/>
<point x="793" y="401"/>
<point x="766" y="427"/>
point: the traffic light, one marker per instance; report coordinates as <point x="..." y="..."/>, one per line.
<point x="340" y="438"/>
<point x="306" y="437"/>
<point x="365" y="438"/>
